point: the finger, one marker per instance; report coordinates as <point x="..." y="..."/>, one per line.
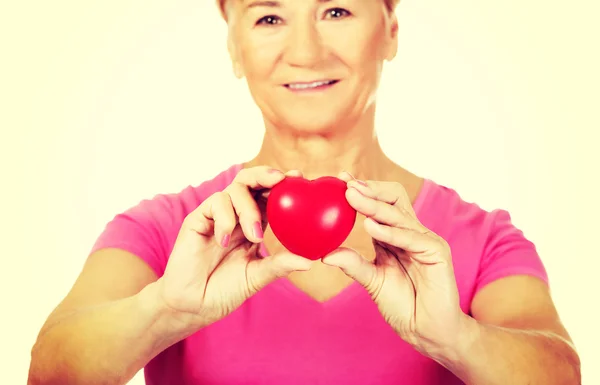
<point x="345" y="176"/>
<point x="244" y="200"/>
<point x="295" y="173"/>
<point x="219" y="209"/>
<point x="196" y="221"/>
<point x="261" y="177"/>
<point x="356" y="267"/>
<point x="292" y="173"/>
<point x="263" y="271"/>
<point x="392" y="193"/>
<point x="381" y="212"/>
<point x="418" y="245"/>
<point x="247" y="211"/>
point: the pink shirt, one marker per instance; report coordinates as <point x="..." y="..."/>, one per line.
<point x="283" y="336"/>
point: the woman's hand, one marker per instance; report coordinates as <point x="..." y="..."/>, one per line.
<point x="412" y="278"/>
<point x="215" y="264"/>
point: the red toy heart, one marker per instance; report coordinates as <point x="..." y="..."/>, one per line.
<point x="310" y="218"/>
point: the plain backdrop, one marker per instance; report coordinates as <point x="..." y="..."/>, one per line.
<point x="105" y="103"/>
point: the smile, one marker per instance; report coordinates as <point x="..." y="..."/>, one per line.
<point x="311" y="85"/>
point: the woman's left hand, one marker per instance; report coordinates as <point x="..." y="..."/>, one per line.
<point x="412" y="278"/>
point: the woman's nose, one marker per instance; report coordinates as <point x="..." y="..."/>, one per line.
<point x="304" y="46"/>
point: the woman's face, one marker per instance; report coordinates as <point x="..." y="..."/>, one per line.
<point x="311" y="64"/>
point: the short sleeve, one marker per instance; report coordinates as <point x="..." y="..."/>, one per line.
<point x="142" y="230"/>
<point x="150" y="228"/>
<point x="508" y="252"/>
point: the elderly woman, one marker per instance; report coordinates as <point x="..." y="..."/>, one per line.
<point x="196" y="288"/>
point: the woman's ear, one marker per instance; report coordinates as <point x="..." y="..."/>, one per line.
<point x="392" y="38"/>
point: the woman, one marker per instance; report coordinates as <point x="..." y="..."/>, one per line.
<point x="194" y="286"/>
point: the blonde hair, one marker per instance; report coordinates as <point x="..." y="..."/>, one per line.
<point x="390" y="5"/>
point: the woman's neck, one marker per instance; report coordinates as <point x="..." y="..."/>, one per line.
<point x="355" y="150"/>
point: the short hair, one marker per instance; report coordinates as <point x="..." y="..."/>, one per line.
<point x="390" y="5"/>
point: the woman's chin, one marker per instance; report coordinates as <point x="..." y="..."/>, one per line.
<point x="313" y="123"/>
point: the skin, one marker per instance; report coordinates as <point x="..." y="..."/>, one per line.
<point x="119" y="314"/>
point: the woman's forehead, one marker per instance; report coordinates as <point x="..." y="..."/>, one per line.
<point x="223" y="4"/>
<point x="391" y="3"/>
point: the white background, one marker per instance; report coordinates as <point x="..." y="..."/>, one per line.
<point x="104" y="103"/>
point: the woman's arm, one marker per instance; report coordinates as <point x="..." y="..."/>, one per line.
<point x="517" y="339"/>
<point x="515" y="335"/>
<point x="497" y="355"/>
<point x="107" y="328"/>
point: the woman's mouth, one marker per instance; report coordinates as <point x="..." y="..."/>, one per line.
<point x="311" y="86"/>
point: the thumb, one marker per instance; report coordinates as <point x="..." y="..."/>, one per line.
<point x="355" y="266"/>
<point x="263" y="271"/>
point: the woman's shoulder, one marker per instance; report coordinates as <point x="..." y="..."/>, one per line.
<point x="485" y="243"/>
<point x="180" y="203"/>
<point x="164" y="212"/>
<point x="444" y="209"/>
<point x="488" y="235"/>
<point x="149" y="228"/>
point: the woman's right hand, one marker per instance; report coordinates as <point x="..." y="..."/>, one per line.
<point x="215" y="263"/>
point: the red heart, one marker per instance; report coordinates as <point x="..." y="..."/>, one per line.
<point x="310" y="218"/>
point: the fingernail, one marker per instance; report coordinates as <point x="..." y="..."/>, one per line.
<point x="258" y="232"/>
<point x="225" y="241"/>
<point x="274" y="171"/>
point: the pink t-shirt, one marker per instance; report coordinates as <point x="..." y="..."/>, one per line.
<point x="283" y="336"/>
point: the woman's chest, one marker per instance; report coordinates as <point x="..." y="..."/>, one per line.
<point x="277" y="338"/>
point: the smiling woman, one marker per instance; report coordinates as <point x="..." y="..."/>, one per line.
<point x="195" y="287"/>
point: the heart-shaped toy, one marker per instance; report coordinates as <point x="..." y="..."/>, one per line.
<point x="310" y="218"/>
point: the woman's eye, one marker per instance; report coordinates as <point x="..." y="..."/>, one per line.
<point x="269" y="20"/>
<point x="337" y="13"/>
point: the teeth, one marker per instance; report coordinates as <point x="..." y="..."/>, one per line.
<point x="304" y="86"/>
